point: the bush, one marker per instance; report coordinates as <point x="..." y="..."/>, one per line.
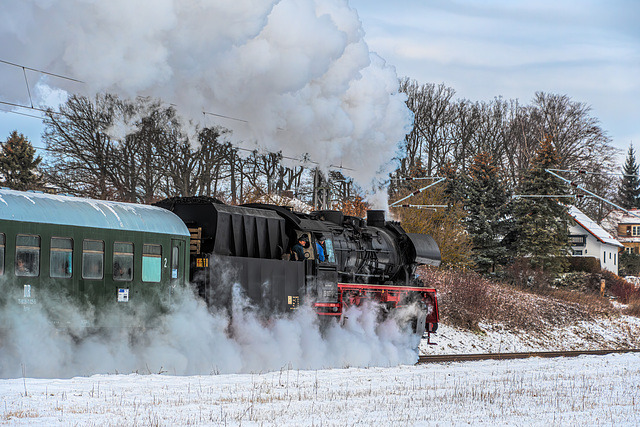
<point x="584" y="263"/>
<point x="620" y="288"/>
<point x="463" y="296"/>
<point x="629" y="264"/>
<point x="523" y="275"/>
<point x="634" y="307"/>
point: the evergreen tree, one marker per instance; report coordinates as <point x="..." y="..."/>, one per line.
<point x="542" y="222"/>
<point x="18" y="167"/>
<point x="488" y="222"/>
<point x="454" y="183"/>
<point x="629" y="189"/>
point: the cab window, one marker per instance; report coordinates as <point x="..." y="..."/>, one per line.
<point x="151" y="263"/>
<point x="60" y="258"/>
<point x="329" y="255"/>
<point x="92" y="259"/>
<point x="27" y="255"/>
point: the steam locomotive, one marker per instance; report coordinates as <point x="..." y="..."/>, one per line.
<point x="102" y="254"/>
<point x="364" y="260"/>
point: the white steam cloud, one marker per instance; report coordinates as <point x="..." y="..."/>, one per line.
<point x="297" y="71"/>
<point x="192" y="340"/>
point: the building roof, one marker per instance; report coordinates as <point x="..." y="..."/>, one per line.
<point x="630" y="217"/>
<point x="64" y="210"/>
<point x="592" y="227"/>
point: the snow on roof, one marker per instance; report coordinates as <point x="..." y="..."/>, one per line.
<point x="611" y="220"/>
<point x="632" y="217"/>
<point x="592" y="227"/>
<point x="296" y="204"/>
<point x="63" y="210"/>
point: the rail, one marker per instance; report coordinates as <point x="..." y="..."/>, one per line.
<point x="438" y="358"/>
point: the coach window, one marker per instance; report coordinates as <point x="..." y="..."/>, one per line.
<point x="60" y="258"/>
<point x="175" y="262"/>
<point x="151" y="263"/>
<point x="27" y="255"/>
<point x="2" y="237"/>
<point x="123" y="261"/>
<point x="92" y="259"/>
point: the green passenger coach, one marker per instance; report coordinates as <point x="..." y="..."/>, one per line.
<point x="57" y="249"/>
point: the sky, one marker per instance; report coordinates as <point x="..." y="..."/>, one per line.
<point x="588" y="50"/>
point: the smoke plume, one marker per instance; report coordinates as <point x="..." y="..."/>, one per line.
<point x="294" y="75"/>
<point x="191" y="340"/>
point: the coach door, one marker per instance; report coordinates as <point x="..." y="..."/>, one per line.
<point x="177" y="262"/>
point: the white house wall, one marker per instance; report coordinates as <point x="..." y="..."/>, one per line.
<point x="597" y="249"/>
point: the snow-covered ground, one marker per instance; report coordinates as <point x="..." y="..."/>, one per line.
<point x="589" y="390"/>
<point x="605" y="333"/>
<point x="189" y="371"/>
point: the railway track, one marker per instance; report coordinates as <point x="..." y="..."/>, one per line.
<point x="437" y="358"/>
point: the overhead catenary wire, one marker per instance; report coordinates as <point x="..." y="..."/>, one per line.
<point x="550" y="196"/>
<point x="434" y="207"/>
<point x="585" y="172"/>
<point x="41" y="71"/>
<point x="21" y="114"/>
<point x="579" y="187"/>
<point x="51" y="111"/>
<point x="415" y="178"/>
<point x="415" y="193"/>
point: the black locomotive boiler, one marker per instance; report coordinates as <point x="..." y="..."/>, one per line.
<point x="251" y="245"/>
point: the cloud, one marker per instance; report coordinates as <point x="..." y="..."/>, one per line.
<point x="586" y="50"/>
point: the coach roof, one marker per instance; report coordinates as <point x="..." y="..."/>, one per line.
<point x="64" y="210"/>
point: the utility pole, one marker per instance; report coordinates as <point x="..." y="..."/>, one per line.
<point x="321" y="191"/>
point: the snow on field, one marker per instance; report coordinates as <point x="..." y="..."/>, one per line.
<point x="189" y="371"/>
<point x="589" y="390"/>
<point x="612" y="333"/>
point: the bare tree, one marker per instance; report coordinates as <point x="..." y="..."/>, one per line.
<point x="80" y="151"/>
<point x="429" y="140"/>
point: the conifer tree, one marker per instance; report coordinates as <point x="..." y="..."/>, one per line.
<point x="454" y="183"/>
<point x="488" y="222"/>
<point x="18" y="168"/>
<point x="542" y="222"/>
<point x="629" y="189"/>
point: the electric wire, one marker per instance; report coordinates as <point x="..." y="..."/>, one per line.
<point x="205" y="113"/>
<point x="41" y="71"/>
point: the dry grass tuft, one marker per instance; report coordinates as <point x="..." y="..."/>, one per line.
<point x="633" y="309"/>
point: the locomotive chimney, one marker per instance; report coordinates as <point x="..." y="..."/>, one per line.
<point x="375" y="218"/>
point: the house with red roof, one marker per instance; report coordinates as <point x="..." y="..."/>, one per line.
<point x="589" y="239"/>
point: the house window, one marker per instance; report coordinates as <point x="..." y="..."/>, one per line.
<point x="635" y="230"/>
<point x="629" y="250"/>
<point x="577" y="253"/>
<point x="604" y="257"/>
<point x="578" y="240"/>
